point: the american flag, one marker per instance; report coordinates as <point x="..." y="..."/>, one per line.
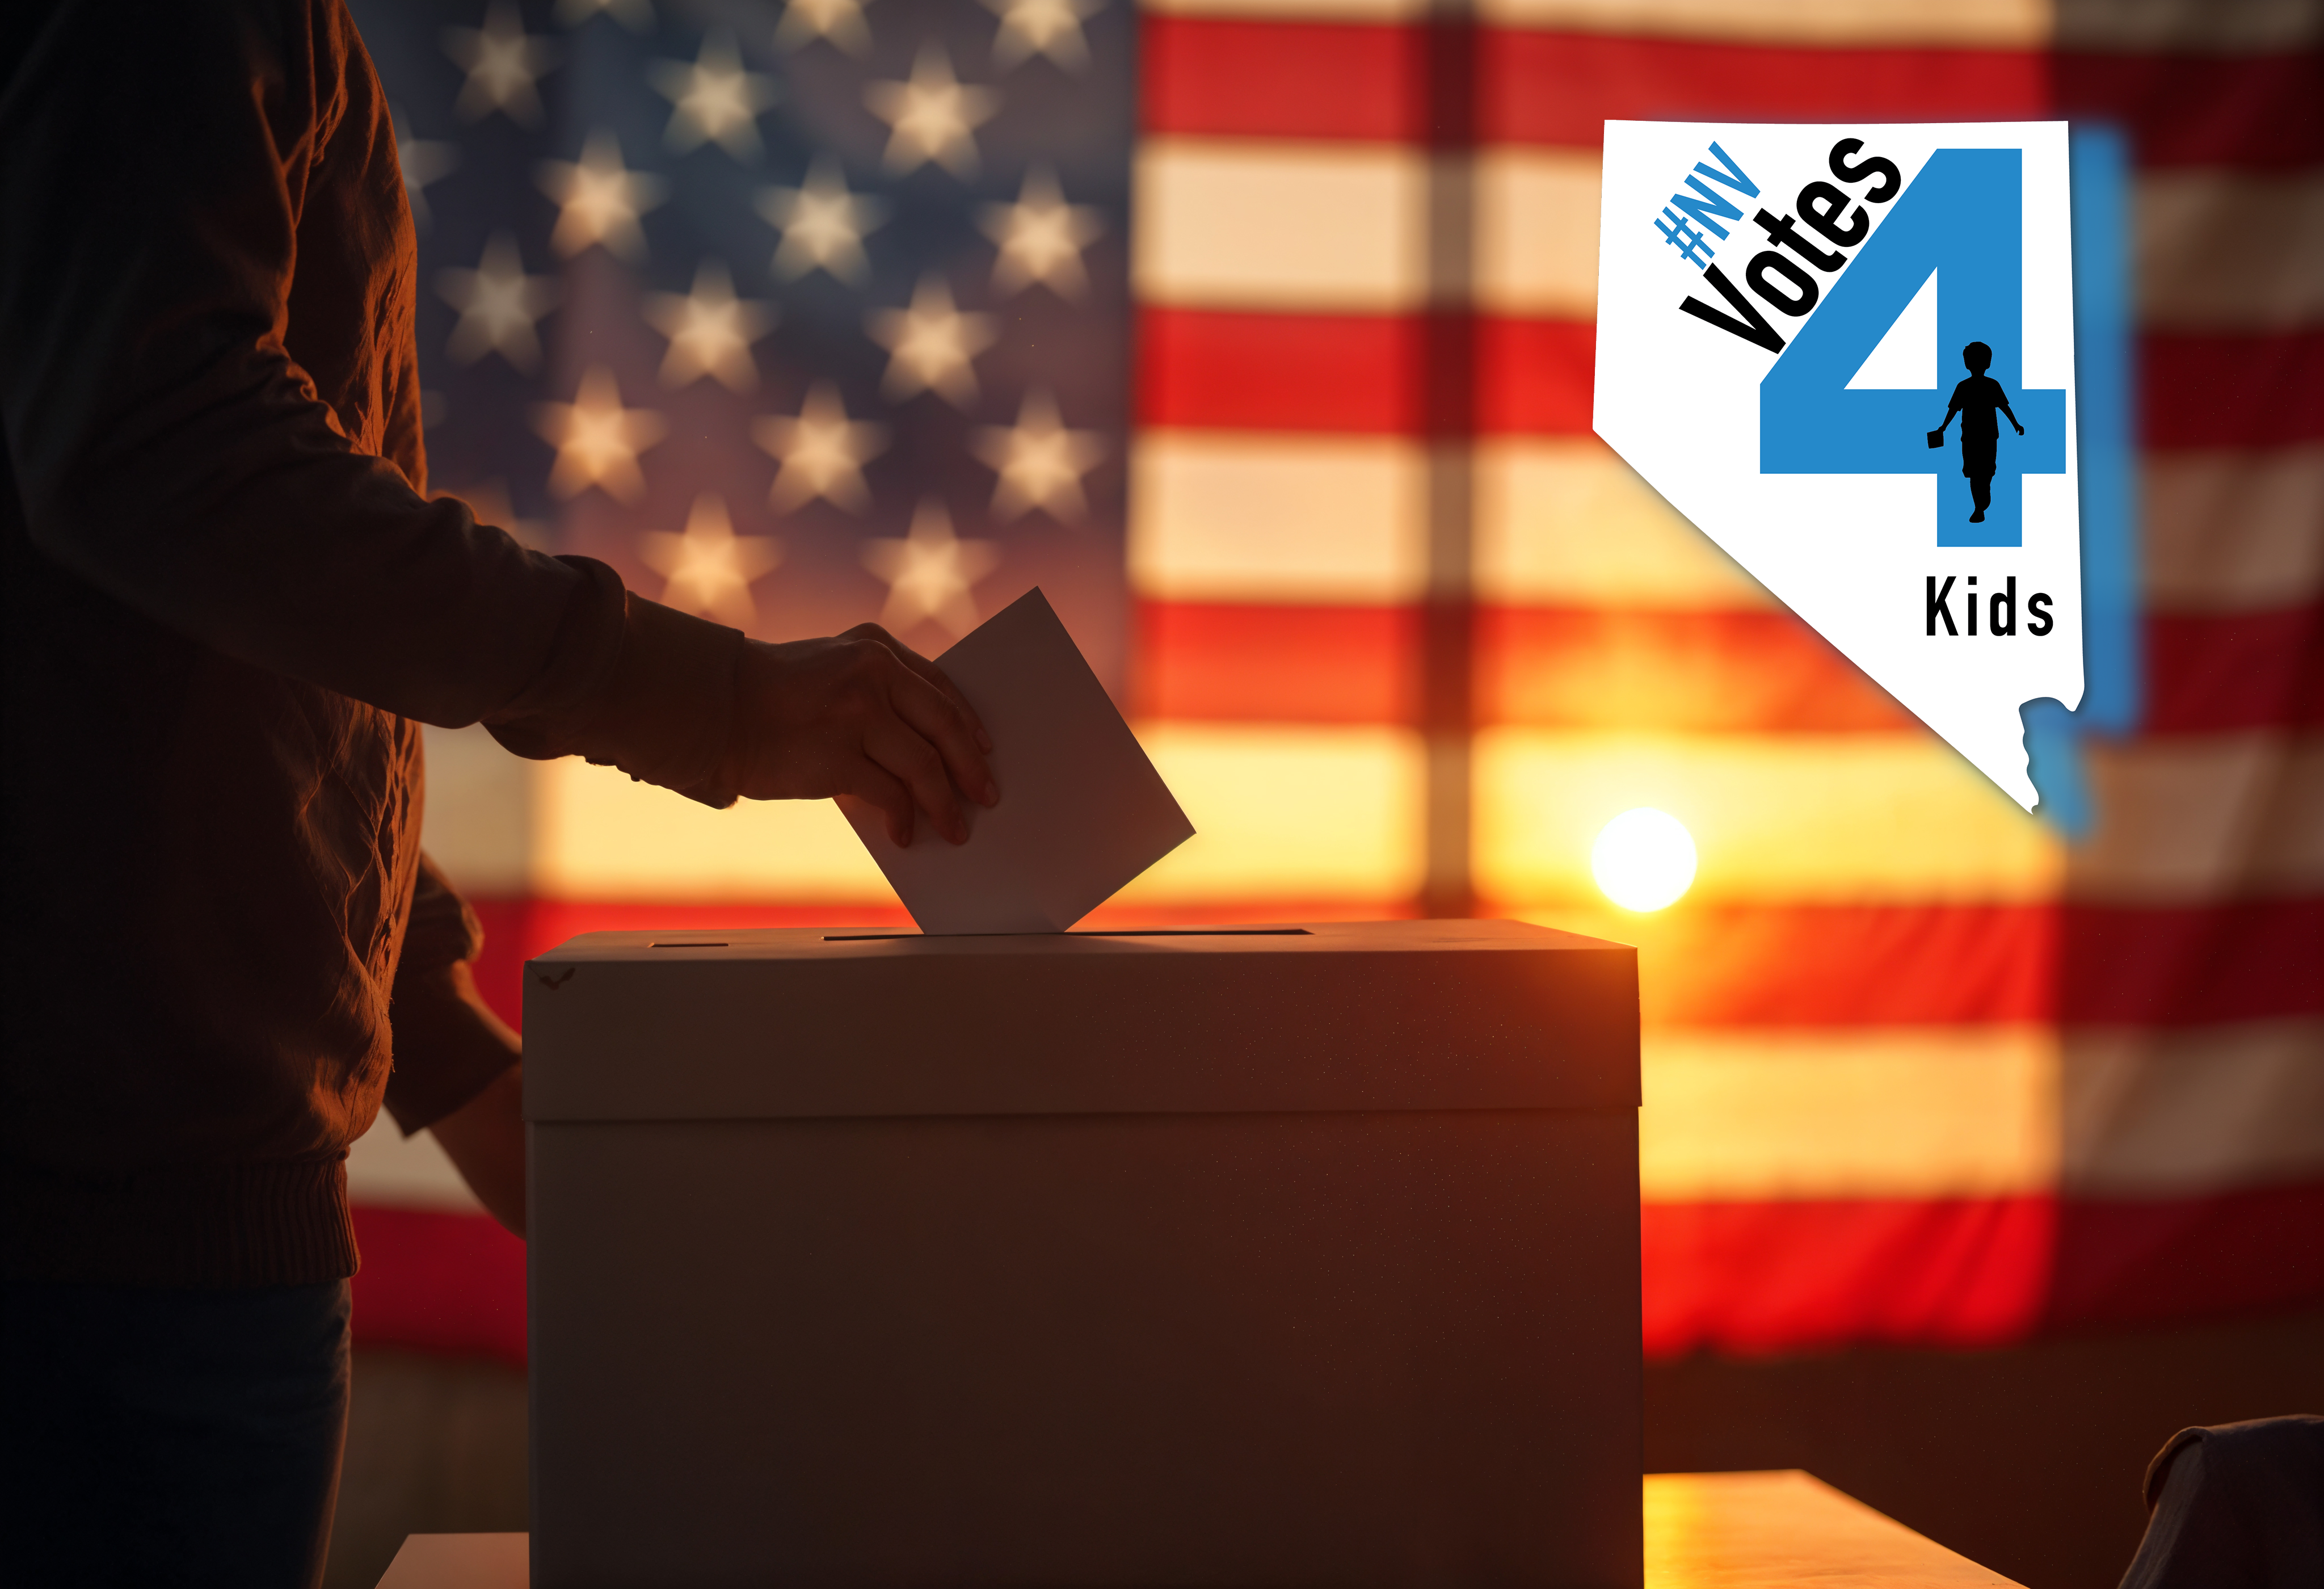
<point x="1259" y="333"/>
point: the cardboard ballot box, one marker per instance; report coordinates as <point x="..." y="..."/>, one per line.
<point x="1295" y="1255"/>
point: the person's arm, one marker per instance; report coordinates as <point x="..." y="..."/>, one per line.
<point x="484" y="1136"/>
<point x="167" y="449"/>
<point x="1952" y="408"/>
<point x="2001" y="401"/>
<point x="455" y="1067"/>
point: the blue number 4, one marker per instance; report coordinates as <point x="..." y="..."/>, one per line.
<point x="1960" y="218"/>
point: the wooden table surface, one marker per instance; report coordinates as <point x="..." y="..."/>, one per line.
<point x="1759" y="1530"/>
<point x="1703" y="1531"/>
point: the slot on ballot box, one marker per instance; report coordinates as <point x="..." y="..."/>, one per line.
<point x="1253" y="1257"/>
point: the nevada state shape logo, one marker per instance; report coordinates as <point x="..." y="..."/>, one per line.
<point x="1846" y="354"/>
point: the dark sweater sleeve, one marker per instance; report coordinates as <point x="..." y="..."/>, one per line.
<point x="446" y="1049"/>
<point x="169" y="449"/>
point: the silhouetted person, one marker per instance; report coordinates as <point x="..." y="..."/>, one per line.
<point x="230" y="603"/>
<point x="1976" y="401"/>
<point x="2236" y="1506"/>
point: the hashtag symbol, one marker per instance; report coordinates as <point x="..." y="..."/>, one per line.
<point x="1684" y="238"/>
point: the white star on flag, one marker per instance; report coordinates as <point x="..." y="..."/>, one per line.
<point x="929" y="572"/>
<point x="499" y="305"/>
<point x="840" y="21"/>
<point x="599" y="199"/>
<point x="421" y="162"/>
<point x="1041" y="237"/>
<point x="1042" y="27"/>
<point x="503" y="63"/>
<point x="821" y="223"/>
<point x="1040" y="462"/>
<point x="715" y="100"/>
<point x="932" y="115"/>
<point x="710" y="330"/>
<point x="637" y="16"/>
<point x="822" y="452"/>
<point x="597" y="440"/>
<point x="931" y="344"/>
<point x="708" y="569"/>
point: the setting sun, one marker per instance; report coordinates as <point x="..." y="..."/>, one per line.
<point x="1643" y="859"/>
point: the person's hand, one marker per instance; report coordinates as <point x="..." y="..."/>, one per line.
<point x="859" y="715"/>
<point x="2020" y="428"/>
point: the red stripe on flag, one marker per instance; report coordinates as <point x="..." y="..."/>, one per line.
<point x="1232" y="662"/>
<point x="1756" y="1277"/>
<point x="2218" y="672"/>
<point x="1713" y="966"/>
<point x="2231" y="391"/>
<point x="1208" y="77"/>
<point x="1542" y="88"/>
<point x="2258" y="111"/>
<point x="1716" y="671"/>
<point x="2247" y="960"/>
<point x="1268" y="80"/>
<point x="1536" y="377"/>
<point x="1741" y="965"/>
<point x="2124" y="1262"/>
<point x="440" y="1282"/>
<point x="1366" y="374"/>
<point x="1709" y="672"/>
<point x="1361" y="375"/>
<point x="1214" y="370"/>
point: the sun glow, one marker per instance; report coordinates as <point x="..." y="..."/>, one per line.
<point x="1643" y="859"/>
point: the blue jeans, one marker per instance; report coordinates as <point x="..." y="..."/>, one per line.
<point x="163" y="1438"/>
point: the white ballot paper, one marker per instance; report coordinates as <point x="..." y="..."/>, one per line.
<point x="1081" y="809"/>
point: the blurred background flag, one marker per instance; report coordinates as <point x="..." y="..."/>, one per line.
<point x="1260" y="337"/>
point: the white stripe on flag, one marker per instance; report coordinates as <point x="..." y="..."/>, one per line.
<point x="2162" y="1114"/>
<point x="1564" y="522"/>
<point x="1223" y="516"/>
<point x="1287" y="812"/>
<point x="2222" y="530"/>
<point x="1219" y="515"/>
<point x="1333" y="813"/>
<point x="600" y="834"/>
<point x="1738" y="1114"/>
<point x="1314" y="227"/>
<point x="476" y="822"/>
<point x="1536" y="225"/>
<point x="1971" y="1111"/>
<point x="1992" y="24"/>
<point x="2205" y="26"/>
<point x="2194" y="26"/>
<point x="2229" y="251"/>
<point x="2186" y="819"/>
<point x="1852" y="818"/>
<point x="1329" y="226"/>
<point x="1342" y="227"/>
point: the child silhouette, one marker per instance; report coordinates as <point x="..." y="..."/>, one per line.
<point x="1975" y="400"/>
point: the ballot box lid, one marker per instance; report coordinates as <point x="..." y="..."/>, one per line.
<point x="792" y="1022"/>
